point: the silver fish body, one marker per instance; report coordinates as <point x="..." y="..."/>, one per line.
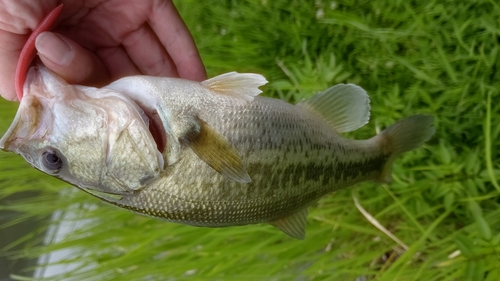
<point x="206" y="154"/>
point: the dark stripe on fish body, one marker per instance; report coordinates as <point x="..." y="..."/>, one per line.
<point x="313" y="171"/>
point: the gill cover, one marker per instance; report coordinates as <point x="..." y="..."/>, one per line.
<point x="96" y="138"/>
<point x="182" y="123"/>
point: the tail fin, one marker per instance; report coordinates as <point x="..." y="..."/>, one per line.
<point x="405" y="135"/>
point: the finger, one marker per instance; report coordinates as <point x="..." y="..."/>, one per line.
<point x="17" y="20"/>
<point x="175" y="36"/>
<point x="10" y="48"/>
<point x="117" y="62"/>
<point x="155" y="61"/>
<point x="69" y="60"/>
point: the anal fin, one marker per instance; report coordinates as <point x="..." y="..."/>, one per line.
<point x="215" y="150"/>
<point x="293" y="225"/>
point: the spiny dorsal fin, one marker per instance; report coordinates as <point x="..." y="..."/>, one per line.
<point x="215" y="150"/>
<point x="293" y="225"/>
<point x="243" y="86"/>
<point x="344" y="106"/>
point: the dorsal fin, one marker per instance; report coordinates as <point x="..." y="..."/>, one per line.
<point x="344" y="106"/>
<point x="293" y="225"/>
<point x="243" y="86"/>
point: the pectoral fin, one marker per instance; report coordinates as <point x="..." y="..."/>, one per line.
<point x="293" y="225"/>
<point x="215" y="150"/>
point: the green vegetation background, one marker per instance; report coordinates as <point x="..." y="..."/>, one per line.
<point x="438" y="57"/>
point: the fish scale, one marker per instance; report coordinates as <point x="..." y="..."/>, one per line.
<point x="208" y="154"/>
<point x="295" y="179"/>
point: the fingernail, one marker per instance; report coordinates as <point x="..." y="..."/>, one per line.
<point x="54" y="48"/>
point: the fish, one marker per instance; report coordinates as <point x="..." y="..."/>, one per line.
<point x="213" y="153"/>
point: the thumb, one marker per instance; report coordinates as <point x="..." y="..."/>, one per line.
<point x="69" y="60"/>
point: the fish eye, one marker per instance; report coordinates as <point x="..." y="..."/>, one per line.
<point x="51" y="160"/>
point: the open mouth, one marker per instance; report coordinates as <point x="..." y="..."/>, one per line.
<point x="155" y="127"/>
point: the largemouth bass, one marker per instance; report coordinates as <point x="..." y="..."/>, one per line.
<point x="209" y="154"/>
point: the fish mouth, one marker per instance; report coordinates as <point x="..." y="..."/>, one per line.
<point x="30" y="121"/>
<point x="155" y="126"/>
<point x="11" y="135"/>
<point x="24" y="125"/>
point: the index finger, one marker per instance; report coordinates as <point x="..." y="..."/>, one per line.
<point x="176" y="38"/>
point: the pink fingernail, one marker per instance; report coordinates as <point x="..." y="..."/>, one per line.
<point x="54" y="48"/>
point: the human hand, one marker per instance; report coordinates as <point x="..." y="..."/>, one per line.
<point x="98" y="41"/>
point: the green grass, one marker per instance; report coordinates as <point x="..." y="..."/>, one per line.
<point x="436" y="57"/>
